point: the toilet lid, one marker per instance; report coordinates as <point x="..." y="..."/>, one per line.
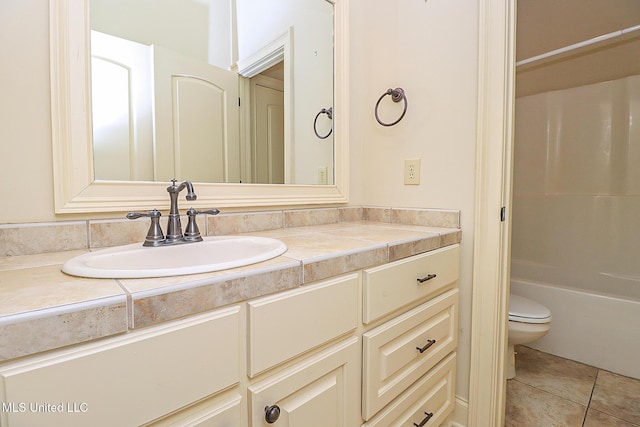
<point x="522" y="309"/>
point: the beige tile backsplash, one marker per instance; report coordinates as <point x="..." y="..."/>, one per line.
<point x="105" y="233"/>
<point x="350" y="213"/>
<point x="303" y="217"/>
<point x="244" y="222"/>
<point x="426" y="218"/>
<point x="377" y="214"/>
<point x="28" y="239"/>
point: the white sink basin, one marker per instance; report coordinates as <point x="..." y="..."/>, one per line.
<point x="213" y="254"/>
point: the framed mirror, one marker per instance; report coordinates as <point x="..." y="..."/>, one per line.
<point x="76" y="186"/>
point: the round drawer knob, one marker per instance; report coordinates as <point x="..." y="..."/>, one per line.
<point x="271" y="414"/>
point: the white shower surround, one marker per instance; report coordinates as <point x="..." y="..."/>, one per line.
<point x="576" y="219"/>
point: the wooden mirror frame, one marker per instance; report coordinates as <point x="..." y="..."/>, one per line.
<point x="76" y="190"/>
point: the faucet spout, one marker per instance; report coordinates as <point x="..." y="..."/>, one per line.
<point x="174" y="190"/>
<point x="174" y="226"/>
<point x="191" y="195"/>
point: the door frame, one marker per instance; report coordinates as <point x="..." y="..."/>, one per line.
<point x="276" y="85"/>
<point x="278" y="50"/>
<point x="492" y="231"/>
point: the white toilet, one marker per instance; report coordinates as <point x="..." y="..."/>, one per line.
<point x="528" y="321"/>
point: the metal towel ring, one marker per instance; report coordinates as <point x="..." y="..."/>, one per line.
<point x="329" y="113"/>
<point x="397" y="95"/>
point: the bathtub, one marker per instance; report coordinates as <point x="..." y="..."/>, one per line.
<point x="599" y="330"/>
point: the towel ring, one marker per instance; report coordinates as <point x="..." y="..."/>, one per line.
<point x="397" y="95"/>
<point x="329" y="113"/>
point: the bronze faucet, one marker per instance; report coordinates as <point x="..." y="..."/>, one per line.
<point x="174" y="236"/>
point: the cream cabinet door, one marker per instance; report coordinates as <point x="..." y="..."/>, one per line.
<point x="220" y="411"/>
<point x="127" y="380"/>
<point x="321" y="391"/>
<point x="288" y="324"/>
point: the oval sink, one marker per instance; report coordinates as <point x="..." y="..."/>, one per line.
<point x="214" y="253"/>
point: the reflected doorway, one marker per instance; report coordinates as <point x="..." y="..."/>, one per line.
<point x="267" y="126"/>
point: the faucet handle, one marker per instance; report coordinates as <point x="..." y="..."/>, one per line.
<point x="192" y="233"/>
<point x="150" y="214"/>
<point x="155" y="237"/>
<point x="208" y="212"/>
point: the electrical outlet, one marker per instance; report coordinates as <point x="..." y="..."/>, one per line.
<point x="322" y="175"/>
<point x="412" y="172"/>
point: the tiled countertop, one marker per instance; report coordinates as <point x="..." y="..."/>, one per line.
<point x="42" y="308"/>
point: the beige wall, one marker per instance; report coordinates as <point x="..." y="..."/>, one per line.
<point x="430" y="50"/>
<point x="25" y="131"/>
<point x="427" y="48"/>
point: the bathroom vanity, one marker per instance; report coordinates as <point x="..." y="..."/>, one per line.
<point x="362" y="334"/>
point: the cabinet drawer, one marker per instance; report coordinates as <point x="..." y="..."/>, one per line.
<point x="394" y="285"/>
<point x="127" y="380"/>
<point x="432" y="394"/>
<point x="403" y="349"/>
<point x="321" y="390"/>
<point x="287" y="324"/>
<point x="219" y="411"/>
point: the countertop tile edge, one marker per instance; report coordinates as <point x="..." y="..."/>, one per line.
<point x="22" y="334"/>
<point x="149" y="307"/>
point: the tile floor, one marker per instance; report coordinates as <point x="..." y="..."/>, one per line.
<point x="551" y="391"/>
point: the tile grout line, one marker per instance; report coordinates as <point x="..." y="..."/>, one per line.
<point x="593" y="388"/>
